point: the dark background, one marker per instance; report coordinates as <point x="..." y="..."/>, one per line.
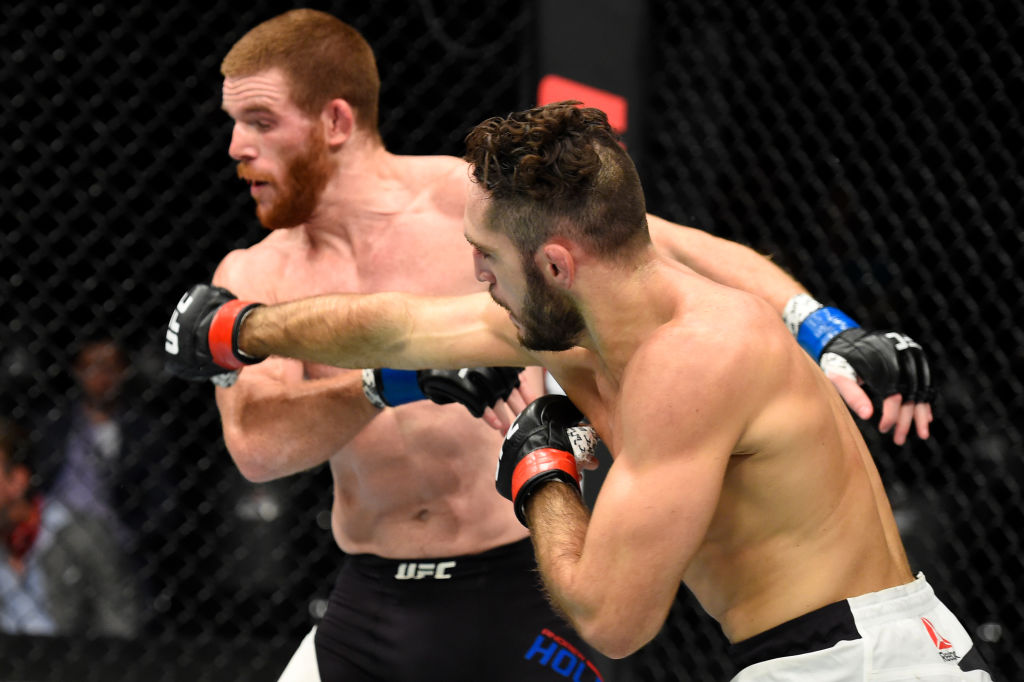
<point x="873" y="148"/>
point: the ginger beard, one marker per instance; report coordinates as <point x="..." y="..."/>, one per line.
<point x="298" y="192"/>
<point x="550" y="320"/>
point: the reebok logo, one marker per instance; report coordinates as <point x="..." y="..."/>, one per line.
<point x="173" y="327"/>
<point x="414" y="570"/>
<point x="511" y="431"/>
<point x="944" y="646"/>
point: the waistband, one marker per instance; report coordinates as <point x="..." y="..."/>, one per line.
<point x="516" y="556"/>
<point x="825" y="627"/>
<point x="814" y="631"/>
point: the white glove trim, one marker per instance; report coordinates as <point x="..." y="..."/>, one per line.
<point x="797" y="309"/>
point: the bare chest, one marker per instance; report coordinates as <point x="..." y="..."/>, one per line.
<point x="414" y="260"/>
<point x="595" y="396"/>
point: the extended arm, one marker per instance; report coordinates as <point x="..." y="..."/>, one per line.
<point x="204" y="339"/>
<point x="403" y="331"/>
<point x="724" y="261"/>
<point x="890" y="365"/>
<point x="211" y="333"/>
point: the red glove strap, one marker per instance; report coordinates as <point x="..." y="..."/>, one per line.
<point x="222" y="329"/>
<point x="539" y="461"/>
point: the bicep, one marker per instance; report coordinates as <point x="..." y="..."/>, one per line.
<point x="457" y="331"/>
<point x="676" y="429"/>
<point x="652" y="514"/>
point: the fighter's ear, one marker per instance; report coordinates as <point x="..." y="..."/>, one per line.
<point x="557" y="263"/>
<point x="339" y="120"/>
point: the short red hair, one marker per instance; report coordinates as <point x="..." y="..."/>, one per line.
<point x="322" y="57"/>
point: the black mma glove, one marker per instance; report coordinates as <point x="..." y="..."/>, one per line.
<point x="202" y="336"/>
<point x="477" y="388"/>
<point x="886" y="362"/>
<point x="543" y="444"/>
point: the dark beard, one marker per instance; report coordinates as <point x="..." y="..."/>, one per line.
<point x="550" y="319"/>
<point x="304" y="180"/>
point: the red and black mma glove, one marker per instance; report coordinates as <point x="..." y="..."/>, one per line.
<point x="538" y="448"/>
<point x="477" y="388"/>
<point x="202" y="336"/>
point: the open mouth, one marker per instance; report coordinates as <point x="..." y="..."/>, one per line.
<point x="255" y="186"/>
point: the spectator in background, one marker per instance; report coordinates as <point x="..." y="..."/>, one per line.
<point x="106" y="459"/>
<point x="60" y="572"/>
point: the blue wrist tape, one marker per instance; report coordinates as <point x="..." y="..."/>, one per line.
<point x="399" y="386"/>
<point x="820" y="327"/>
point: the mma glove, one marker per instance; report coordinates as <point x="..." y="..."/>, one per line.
<point x="886" y="362"/>
<point x="202" y="336"/>
<point x="545" y="443"/>
<point x="477" y="388"/>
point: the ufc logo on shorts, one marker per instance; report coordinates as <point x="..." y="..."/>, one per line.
<point x="418" y="571"/>
<point x="902" y="341"/>
<point x="171" y="340"/>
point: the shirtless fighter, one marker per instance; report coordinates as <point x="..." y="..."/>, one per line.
<point x="412" y="482"/>
<point x="738" y="469"/>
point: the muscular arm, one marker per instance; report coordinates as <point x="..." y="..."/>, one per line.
<point x="276" y="423"/>
<point x="276" y="420"/>
<point x="403" y="331"/>
<point x="743" y="268"/>
<point x="615" y="575"/>
<point x="725" y="261"/>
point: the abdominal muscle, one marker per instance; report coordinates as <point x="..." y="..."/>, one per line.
<point x="418" y="482"/>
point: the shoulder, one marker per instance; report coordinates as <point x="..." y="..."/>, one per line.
<point x="708" y="366"/>
<point x="719" y="328"/>
<point x="444" y="178"/>
<point x="679" y="241"/>
<point x="250" y="272"/>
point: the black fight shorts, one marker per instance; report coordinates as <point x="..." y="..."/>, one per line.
<point x="469" y="618"/>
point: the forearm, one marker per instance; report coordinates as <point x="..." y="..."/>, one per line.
<point x="558" y="523"/>
<point x="277" y="430"/>
<point x="343" y="330"/>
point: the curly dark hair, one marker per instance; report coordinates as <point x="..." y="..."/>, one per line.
<point x="559" y="169"/>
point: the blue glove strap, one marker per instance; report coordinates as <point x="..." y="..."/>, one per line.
<point x="399" y="386"/>
<point x="820" y="327"/>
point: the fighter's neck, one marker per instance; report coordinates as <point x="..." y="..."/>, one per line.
<point x="370" y="185"/>
<point x="623" y="308"/>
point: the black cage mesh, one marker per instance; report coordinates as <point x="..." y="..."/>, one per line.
<point x="872" y="147"/>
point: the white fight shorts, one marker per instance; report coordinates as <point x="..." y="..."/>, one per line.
<point x="902" y="633"/>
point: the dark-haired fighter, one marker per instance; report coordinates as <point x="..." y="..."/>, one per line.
<point x="738" y="469"/>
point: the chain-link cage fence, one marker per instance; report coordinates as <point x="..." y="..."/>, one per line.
<point x="872" y="148"/>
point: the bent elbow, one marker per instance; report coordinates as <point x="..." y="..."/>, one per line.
<point x="249" y="460"/>
<point x="253" y="471"/>
<point x="615" y="639"/>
